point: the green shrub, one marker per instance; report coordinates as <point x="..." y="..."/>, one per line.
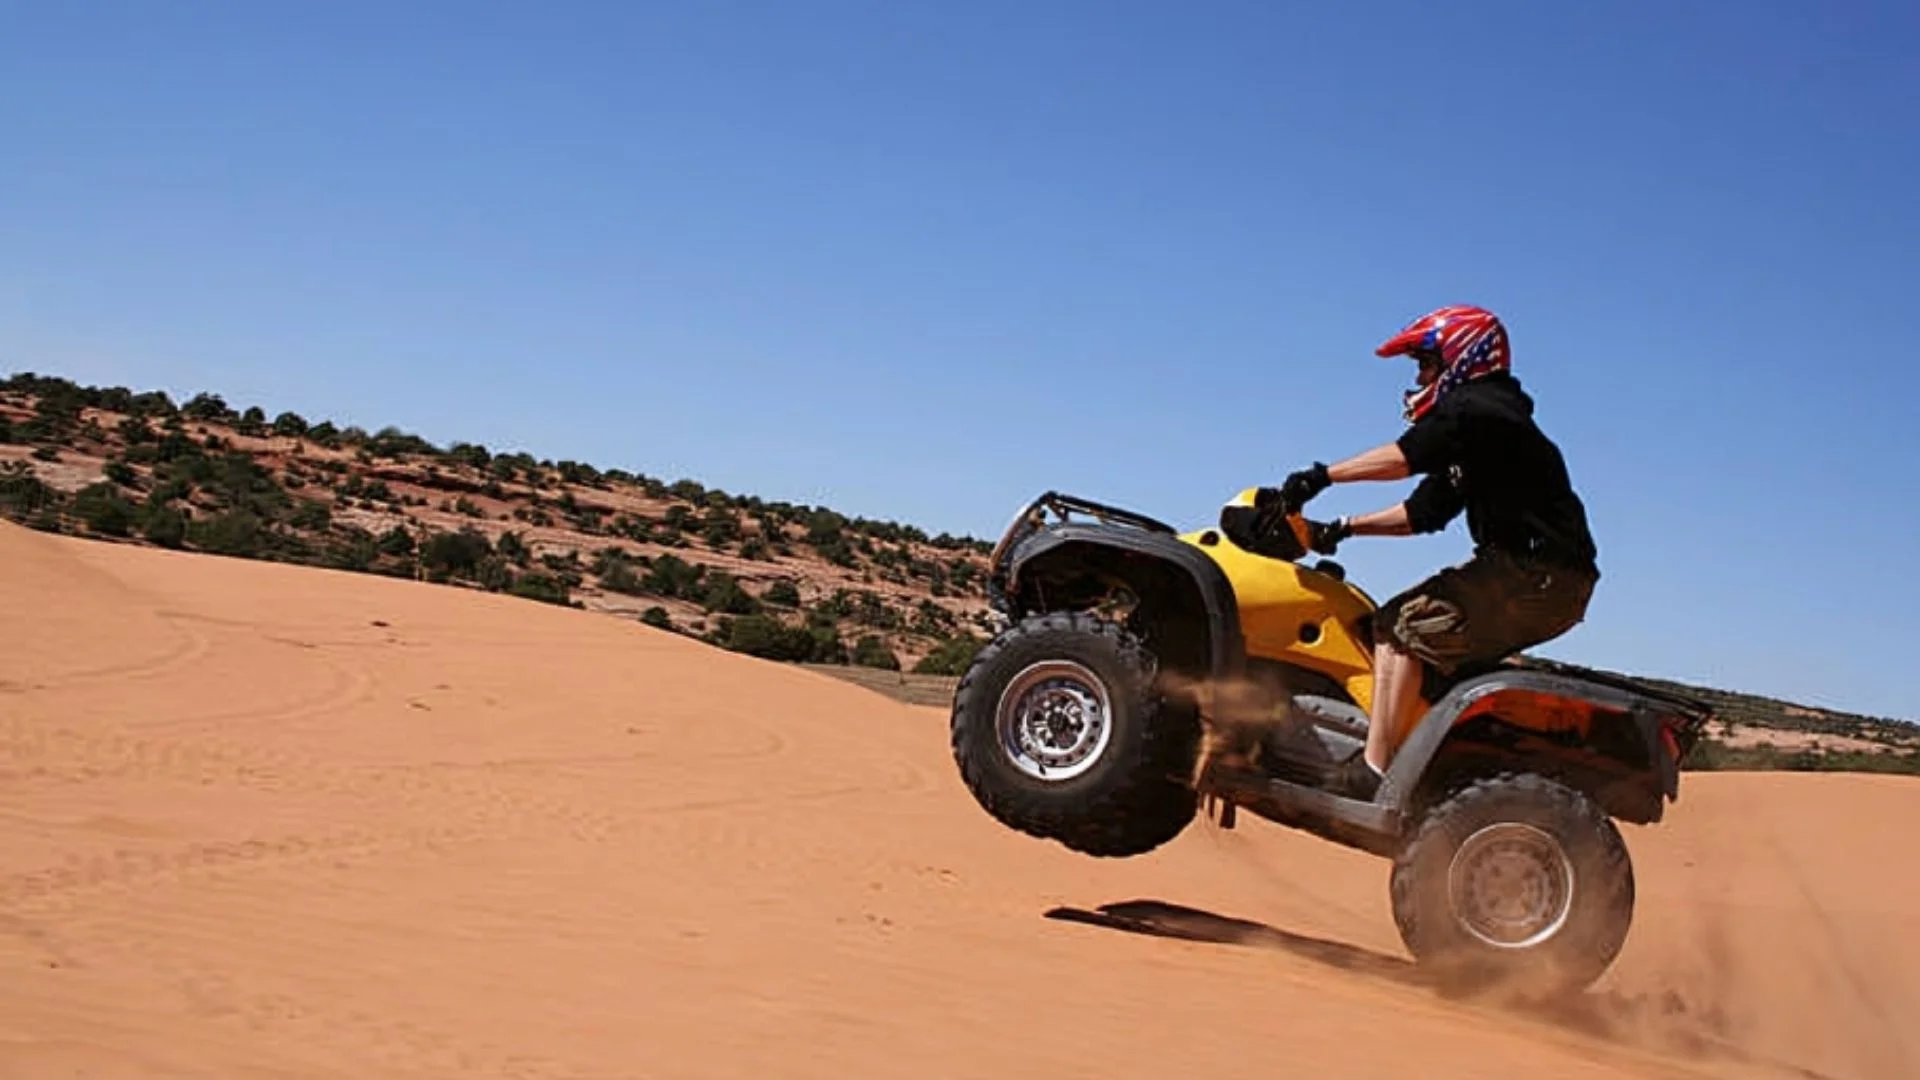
<point x="535" y="585"/>
<point x="782" y="594"/>
<point x="313" y="515"/>
<point x="951" y="657"/>
<point x="22" y="494"/>
<point x="121" y="473"/>
<point x="722" y="592"/>
<point x="672" y="577"/>
<point x="493" y="573"/>
<point x="204" y="406"/>
<point x="236" y="532"/>
<point x="617" y="575"/>
<point x="163" y="525"/>
<point x="454" y="554"/>
<point x="871" y="652"/>
<point x="767" y="638"/>
<point x="470" y="454"/>
<point x="357" y="550"/>
<point x="657" y="616"/>
<point x="104" y="511"/>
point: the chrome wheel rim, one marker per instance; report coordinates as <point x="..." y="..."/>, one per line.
<point x="1511" y="885"/>
<point x="1054" y="720"/>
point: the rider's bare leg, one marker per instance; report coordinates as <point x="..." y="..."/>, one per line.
<point x="1396" y="698"/>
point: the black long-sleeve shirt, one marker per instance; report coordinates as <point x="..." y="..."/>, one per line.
<point x="1480" y="451"/>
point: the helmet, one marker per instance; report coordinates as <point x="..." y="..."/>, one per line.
<point x="1453" y="345"/>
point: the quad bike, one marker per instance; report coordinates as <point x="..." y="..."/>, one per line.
<point x="1094" y="718"/>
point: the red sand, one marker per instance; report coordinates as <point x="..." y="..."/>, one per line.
<point x="275" y="822"/>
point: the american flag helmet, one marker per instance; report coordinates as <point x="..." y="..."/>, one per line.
<point x="1463" y="341"/>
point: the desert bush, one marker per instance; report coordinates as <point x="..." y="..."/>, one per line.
<point x="241" y="483"/>
<point x="722" y="592"/>
<point x="618" y="575"/>
<point x="951" y="657"/>
<point x="121" y="473"/>
<point x="470" y="454"/>
<point x="782" y="594"/>
<point x="235" y="532"/>
<point x="396" y="542"/>
<point x="104" y="511"/>
<point x="493" y="573"/>
<point x="768" y="638"/>
<point x="163" y="525"/>
<point x="514" y="547"/>
<point x="454" y="554"/>
<point x="564" y="566"/>
<point x="205" y="406"/>
<point x="721" y="529"/>
<point x="672" y="577"/>
<point x="311" y="514"/>
<point x="657" y="616"/>
<point x="354" y="549"/>
<point x="871" y="652"/>
<point x="870" y="610"/>
<point x="133" y="430"/>
<point x="546" y="588"/>
<point x="574" y="472"/>
<point x="325" y="434"/>
<point x="23" y="494"/>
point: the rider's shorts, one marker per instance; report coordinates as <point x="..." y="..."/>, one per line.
<point x="1487" y="608"/>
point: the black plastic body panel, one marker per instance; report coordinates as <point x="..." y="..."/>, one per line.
<point x="1226" y="647"/>
<point x="1410" y="763"/>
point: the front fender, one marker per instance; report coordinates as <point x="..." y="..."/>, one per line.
<point x="1145" y="560"/>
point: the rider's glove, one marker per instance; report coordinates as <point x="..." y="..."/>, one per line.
<point x="1302" y="486"/>
<point x="1325" y="536"/>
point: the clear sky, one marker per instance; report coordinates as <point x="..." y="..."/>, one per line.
<point x="922" y="261"/>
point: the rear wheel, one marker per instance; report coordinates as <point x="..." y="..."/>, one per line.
<point x="1058" y="733"/>
<point x="1516" y="882"/>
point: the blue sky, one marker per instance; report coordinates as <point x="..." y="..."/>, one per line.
<point x="922" y="261"/>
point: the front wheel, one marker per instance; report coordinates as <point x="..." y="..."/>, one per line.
<point x="1058" y="733"/>
<point x="1517" y="883"/>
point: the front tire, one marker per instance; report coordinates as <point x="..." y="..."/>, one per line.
<point x="1518" y="884"/>
<point x="1058" y="733"/>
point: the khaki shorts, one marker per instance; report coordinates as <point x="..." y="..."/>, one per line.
<point x="1485" y="609"/>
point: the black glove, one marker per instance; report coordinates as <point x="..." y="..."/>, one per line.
<point x="1300" y="488"/>
<point x="1325" y="536"/>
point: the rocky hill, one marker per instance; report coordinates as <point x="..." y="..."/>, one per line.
<point x="788" y="582"/>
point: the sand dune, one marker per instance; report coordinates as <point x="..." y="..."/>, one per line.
<point x="271" y="822"/>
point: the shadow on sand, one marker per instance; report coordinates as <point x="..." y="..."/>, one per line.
<point x="1662" y="1023"/>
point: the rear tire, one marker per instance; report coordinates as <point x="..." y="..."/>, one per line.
<point x="1516" y="884"/>
<point x="1059" y="733"/>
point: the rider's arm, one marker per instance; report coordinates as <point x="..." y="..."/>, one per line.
<point x="1380" y="463"/>
<point x="1389" y="522"/>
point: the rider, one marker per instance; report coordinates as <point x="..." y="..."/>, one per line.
<point x="1473" y="437"/>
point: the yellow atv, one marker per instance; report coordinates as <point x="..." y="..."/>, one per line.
<point x="1134" y="659"/>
